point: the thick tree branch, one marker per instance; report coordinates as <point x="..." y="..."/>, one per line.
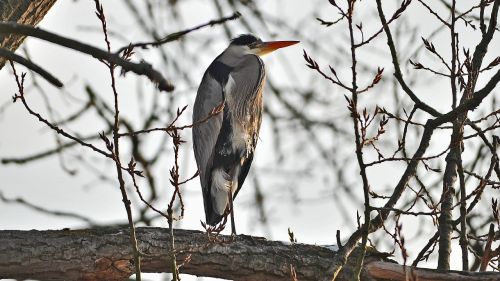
<point x="29" y="12"/>
<point x="141" y="68"/>
<point x="392" y="271"/>
<point x="105" y="254"/>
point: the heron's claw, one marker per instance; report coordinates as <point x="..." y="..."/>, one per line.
<point x="233" y="237"/>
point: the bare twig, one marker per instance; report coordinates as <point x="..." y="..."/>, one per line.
<point x="353" y="108"/>
<point x="174" y="181"/>
<point x="488" y="252"/>
<point x="115" y="149"/>
<point x="171" y="127"/>
<point x="20" y="96"/>
<point x="395" y="61"/>
<point x="43" y="210"/>
<point x="177" y="35"/>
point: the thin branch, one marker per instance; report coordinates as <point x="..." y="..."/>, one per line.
<point x="20" y="96"/>
<point x="43" y="210"/>
<point x="395" y="61"/>
<point x="177" y="35"/>
<point x="407" y="159"/>
<point x="434" y="14"/>
<point x="403" y="212"/>
<point x="488" y="255"/>
<point x="358" y="139"/>
<point x="115" y="148"/>
<point x="170" y="128"/>
<point x="396" y="15"/>
<point x="48" y="152"/>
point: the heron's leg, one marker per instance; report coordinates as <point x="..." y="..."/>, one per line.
<point x="231" y="209"/>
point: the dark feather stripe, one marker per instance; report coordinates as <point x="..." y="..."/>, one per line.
<point x="245" y="168"/>
<point x="211" y="217"/>
<point x="225" y="157"/>
<point x="220" y="71"/>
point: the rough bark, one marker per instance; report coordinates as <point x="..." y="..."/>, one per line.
<point x="396" y="272"/>
<point x="105" y="254"/>
<point x="29" y="12"/>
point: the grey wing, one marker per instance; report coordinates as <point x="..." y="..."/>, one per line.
<point x="205" y="134"/>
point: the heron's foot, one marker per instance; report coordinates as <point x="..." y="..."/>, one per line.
<point x="233" y="236"/>
<point x="233" y="228"/>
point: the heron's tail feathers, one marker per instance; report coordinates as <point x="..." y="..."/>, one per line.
<point x="213" y="218"/>
<point x="221" y="185"/>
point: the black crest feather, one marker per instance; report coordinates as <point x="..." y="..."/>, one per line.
<point x="245" y="40"/>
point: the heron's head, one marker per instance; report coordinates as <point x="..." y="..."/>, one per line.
<point x="249" y="44"/>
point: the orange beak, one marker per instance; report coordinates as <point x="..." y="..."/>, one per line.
<point x="268" y="47"/>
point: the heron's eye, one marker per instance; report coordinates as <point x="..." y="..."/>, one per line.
<point x="253" y="45"/>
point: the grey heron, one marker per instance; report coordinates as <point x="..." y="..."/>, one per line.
<point x="224" y="145"/>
